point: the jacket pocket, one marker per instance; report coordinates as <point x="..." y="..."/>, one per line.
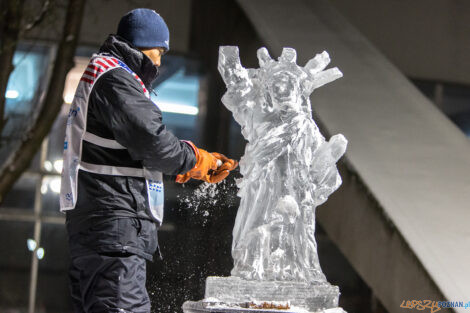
<point x="148" y="236"/>
<point x="128" y="232"/>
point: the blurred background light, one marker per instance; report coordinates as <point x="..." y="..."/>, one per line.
<point x="12" y="94"/>
<point x="48" y="166"/>
<point x="24" y="83"/>
<point x="68" y="98"/>
<point x="73" y="78"/>
<point x="40" y="253"/>
<point x="31" y="243"/>
<point x="178" y="108"/>
<point x="44" y="188"/>
<point x="58" y="165"/>
<point x="54" y="184"/>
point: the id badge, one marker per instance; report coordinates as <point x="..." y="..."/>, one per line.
<point x="156" y="197"/>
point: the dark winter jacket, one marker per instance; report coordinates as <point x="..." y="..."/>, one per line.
<point x="110" y="214"/>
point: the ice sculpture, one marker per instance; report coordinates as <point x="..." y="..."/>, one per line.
<point x="288" y="170"/>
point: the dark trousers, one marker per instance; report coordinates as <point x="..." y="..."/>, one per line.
<point x="107" y="268"/>
<point x="111" y="282"/>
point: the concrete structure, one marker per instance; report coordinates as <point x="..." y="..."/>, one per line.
<point x="425" y="39"/>
<point x="401" y="217"/>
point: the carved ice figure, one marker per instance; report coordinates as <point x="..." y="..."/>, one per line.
<point x="288" y="168"/>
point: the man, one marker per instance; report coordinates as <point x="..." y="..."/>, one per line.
<point x="115" y="152"/>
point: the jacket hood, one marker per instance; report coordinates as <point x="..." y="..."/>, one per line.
<point x="138" y="62"/>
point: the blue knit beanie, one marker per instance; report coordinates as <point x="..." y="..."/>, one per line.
<point x="144" y="28"/>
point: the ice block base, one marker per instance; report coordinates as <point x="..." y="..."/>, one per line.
<point x="312" y="297"/>
<point x="203" y="307"/>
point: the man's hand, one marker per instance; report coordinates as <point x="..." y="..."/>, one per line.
<point x="227" y="165"/>
<point x="207" y="168"/>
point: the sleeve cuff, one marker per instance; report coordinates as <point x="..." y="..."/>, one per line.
<point x="195" y="150"/>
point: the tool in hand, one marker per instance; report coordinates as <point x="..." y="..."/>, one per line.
<point x="210" y="167"/>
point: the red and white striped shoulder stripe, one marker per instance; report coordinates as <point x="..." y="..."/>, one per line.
<point x="97" y="66"/>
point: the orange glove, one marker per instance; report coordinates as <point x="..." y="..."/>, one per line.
<point x="227" y="165"/>
<point x="206" y="168"/>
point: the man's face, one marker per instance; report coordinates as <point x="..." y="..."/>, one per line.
<point x="154" y="54"/>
